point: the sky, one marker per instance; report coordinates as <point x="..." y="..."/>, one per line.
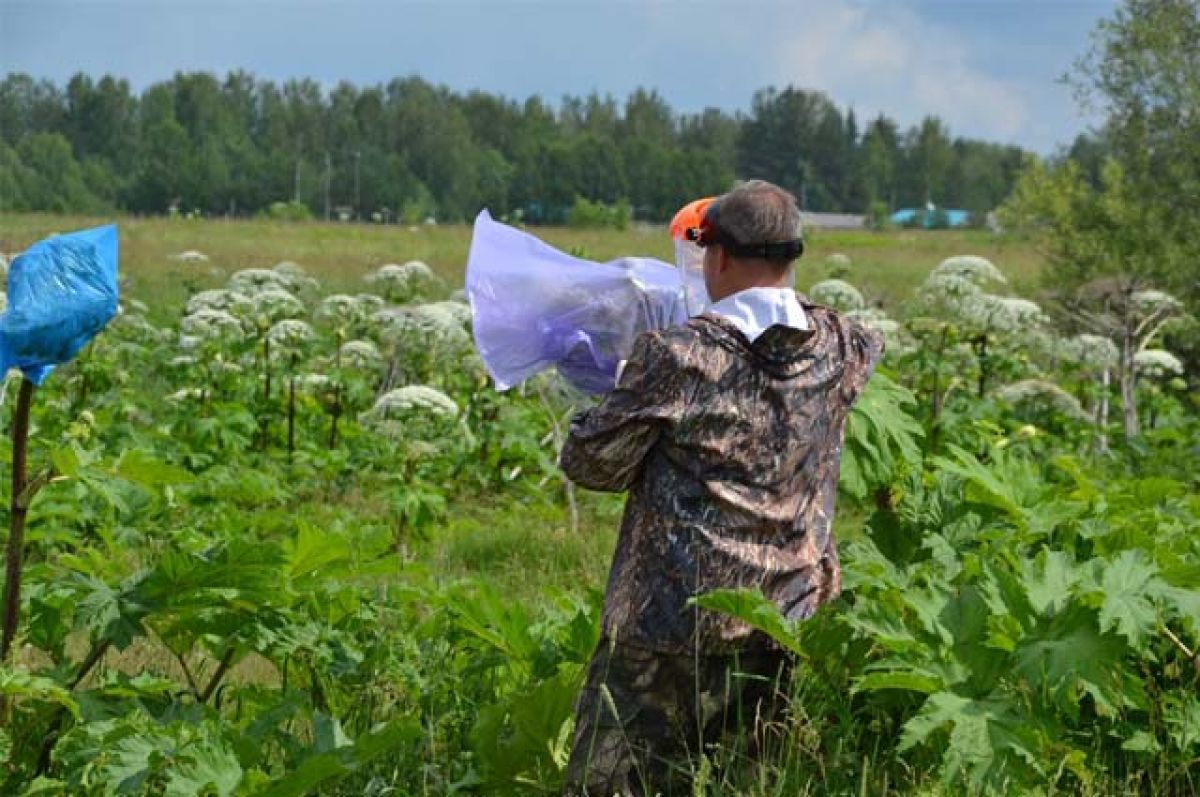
<point x="990" y="69"/>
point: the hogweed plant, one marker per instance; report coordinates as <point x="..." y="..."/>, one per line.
<point x="1096" y="356"/>
<point x="413" y="417"/>
<point x="1133" y="316"/>
<point x="405" y="282"/>
<point x="291" y="339"/>
<point x="838" y="294"/>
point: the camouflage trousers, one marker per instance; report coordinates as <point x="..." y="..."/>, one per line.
<point x="644" y="717"/>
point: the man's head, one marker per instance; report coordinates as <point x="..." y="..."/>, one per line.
<point x="752" y="237"/>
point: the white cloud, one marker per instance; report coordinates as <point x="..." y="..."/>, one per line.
<point x="889" y="60"/>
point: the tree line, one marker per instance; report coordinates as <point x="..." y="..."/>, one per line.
<point x="410" y="149"/>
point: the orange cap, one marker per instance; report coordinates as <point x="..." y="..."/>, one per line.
<point x="689" y="217"/>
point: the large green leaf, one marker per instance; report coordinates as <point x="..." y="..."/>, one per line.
<point x="1007" y="483"/>
<point x="1127" y="585"/>
<point x="18" y="685"/>
<point x="1069" y="656"/>
<point x="323" y="768"/>
<point x="988" y="737"/>
<point x="135" y="755"/>
<point x="140" y="467"/>
<point x="1048" y="581"/>
<point x="905" y="680"/>
<point x="753" y="608"/>
<point x="881" y="437"/>
<point x="521" y="737"/>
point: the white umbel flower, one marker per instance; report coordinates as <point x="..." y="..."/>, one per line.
<point x="370" y="302"/>
<point x="289" y="268"/>
<point x="361" y="354"/>
<point x="340" y="310"/>
<point x="315" y="383"/>
<point x="438" y="324"/>
<point x="208" y="324"/>
<point x="134" y="326"/>
<point x="401" y="283"/>
<point x="291" y="334"/>
<point x="1009" y="313"/>
<point x="978" y="270"/>
<point x="1042" y="394"/>
<point x="1091" y="351"/>
<point x="251" y="281"/>
<point x="186" y="394"/>
<point x="838" y="294"/>
<point x="296" y="279"/>
<point x="449" y="311"/>
<point x="277" y="304"/>
<point x="413" y="400"/>
<point x="220" y="299"/>
<point x="949" y="286"/>
<point x="876" y="320"/>
<point x="191" y="256"/>
<point x="1150" y="300"/>
<point x="1157" y="362"/>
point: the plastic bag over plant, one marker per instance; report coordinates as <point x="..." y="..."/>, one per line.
<point x="61" y="292"/>
<point x="535" y="307"/>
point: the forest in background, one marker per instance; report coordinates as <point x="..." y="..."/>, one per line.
<point x="411" y="150"/>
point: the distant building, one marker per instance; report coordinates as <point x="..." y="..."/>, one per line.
<point x="928" y="217"/>
<point x="833" y="221"/>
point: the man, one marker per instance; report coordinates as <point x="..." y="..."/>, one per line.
<point x="727" y="433"/>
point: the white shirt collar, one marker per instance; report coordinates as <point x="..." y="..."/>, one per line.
<point x="755" y="309"/>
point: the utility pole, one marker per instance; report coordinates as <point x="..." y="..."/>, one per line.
<point x="296" y="177"/>
<point x="357" y="213"/>
<point x="328" y="175"/>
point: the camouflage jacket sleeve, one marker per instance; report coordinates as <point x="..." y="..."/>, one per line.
<point x="607" y="444"/>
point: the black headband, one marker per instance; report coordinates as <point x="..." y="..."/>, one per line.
<point x="783" y="251"/>
<point x="774" y="250"/>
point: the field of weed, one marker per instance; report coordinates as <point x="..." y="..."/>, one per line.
<point x="286" y="539"/>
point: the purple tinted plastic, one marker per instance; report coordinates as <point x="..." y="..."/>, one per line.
<point x="535" y="307"/>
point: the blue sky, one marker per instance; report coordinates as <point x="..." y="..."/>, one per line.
<point x="989" y="68"/>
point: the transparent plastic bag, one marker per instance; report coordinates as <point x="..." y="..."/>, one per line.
<point x="535" y="307"/>
<point x="61" y="292"/>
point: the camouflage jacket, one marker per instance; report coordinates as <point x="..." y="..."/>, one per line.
<point x="730" y="451"/>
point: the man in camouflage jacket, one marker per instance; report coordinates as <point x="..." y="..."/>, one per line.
<point x="727" y="433"/>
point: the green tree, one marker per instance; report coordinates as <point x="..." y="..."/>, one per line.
<point x="929" y="157"/>
<point x="879" y="160"/>
<point x="13" y="177"/>
<point x="1143" y="73"/>
<point x="54" y="179"/>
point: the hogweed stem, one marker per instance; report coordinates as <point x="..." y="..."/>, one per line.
<point x="18" y="507"/>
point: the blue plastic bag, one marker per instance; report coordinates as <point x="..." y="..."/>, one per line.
<point x="61" y="292"/>
<point x="535" y="307"/>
